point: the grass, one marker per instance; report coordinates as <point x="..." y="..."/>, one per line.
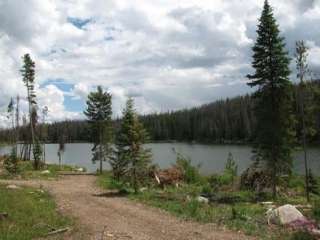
<point x="243" y="216"/>
<point x="32" y="214"/>
<point x="26" y="171"/>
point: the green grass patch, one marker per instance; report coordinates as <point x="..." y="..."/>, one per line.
<point x="32" y="214"/>
<point x="244" y="215"/>
<point x="26" y="171"/>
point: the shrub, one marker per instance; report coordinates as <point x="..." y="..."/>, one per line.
<point x="11" y="162"/>
<point x="191" y="173"/>
<point x="217" y="181"/>
<point x="231" y="168"/>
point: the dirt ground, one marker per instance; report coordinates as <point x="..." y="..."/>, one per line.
<point x="102" y="215"/>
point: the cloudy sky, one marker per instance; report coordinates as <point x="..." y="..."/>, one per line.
<point x="167" y="54"/>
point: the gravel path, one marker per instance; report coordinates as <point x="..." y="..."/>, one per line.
<point x="102" y="216"/>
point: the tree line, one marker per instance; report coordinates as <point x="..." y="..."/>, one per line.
<point x="225" y="121"/>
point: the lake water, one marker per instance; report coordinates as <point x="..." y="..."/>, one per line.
<point x="211" y="157"/>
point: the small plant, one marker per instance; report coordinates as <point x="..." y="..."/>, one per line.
<point x="191" y="173"/>
<point x="11" y="162"/>
<point x="231" y="168"/>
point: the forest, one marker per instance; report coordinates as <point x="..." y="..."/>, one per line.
<point x="231" y="120"/>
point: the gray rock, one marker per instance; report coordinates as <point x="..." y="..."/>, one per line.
<point x="45" y="172"/>
<point x="283" y="215"/>
<point x="202" y="199"/>
<point x="12" y="186"/>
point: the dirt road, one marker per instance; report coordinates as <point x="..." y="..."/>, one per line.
<point x="100" y="215"/>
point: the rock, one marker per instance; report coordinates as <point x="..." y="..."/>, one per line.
<point x="202" y="199"/>
<point x="315" y="232"/>
<point x="12" y="186"/>
<point x="143" y="189"/>
<point x="283" y="215"/>
<point x="80" y="170"/>
<point x="45" y="172"/>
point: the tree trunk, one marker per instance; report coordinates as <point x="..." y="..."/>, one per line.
<point x="100" y="147"/>
<point x="31" y="122"/>
<point x="304" y="138"/>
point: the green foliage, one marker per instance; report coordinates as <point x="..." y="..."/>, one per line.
<point x="231" y="166"/>
<point x="25" y="170"/>
<point x="31" y="214"/>
<point x="11" y="162"/>
<point x="132" y="161"/>
<point x="191" y="173"/>
<point x="99" y="112"/>
<point x="273" y="109"/>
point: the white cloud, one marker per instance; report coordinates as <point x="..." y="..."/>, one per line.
<point x="167" y="54"/>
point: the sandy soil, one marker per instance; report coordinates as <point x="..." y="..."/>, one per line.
<point x="102" y="215"/>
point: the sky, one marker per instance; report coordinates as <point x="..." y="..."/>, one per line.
<point x="166" y="54"/>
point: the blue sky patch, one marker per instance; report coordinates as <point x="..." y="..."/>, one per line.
<point x="59" y="83"/>
<point x="78" y="22"/>
<point x="73" y="105"/>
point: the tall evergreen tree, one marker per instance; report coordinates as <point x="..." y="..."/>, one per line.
<point x="28" y="77"/>
<point x="132" y="159"/>
<point x="274" y="135"/>
<point x="99" y="112"/>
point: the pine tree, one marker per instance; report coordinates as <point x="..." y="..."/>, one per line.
<point x="133" y="160"/>
<point x="28" y="77"/>
<point x="99" y="112"/>
<point x="273" y="96"/>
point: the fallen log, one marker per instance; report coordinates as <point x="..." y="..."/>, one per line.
<point x="62" y="230"/>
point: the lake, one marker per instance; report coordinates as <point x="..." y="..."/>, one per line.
<point x="212" y="158"/>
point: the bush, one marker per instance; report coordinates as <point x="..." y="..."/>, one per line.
<point x="217" y="181"/>
<point x="231" y="168"/>
<point x="191" y="173"/>
<point x="11" y="162"/>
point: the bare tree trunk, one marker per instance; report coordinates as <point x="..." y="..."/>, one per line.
<point x="100" y="147"/>
<point x="304" y="138"/>
<point x="31" y="119"/>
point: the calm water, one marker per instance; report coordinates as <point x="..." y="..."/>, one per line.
<point x="211" y="157"/>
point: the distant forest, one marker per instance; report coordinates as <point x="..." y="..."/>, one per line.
<point x="223" y="121"/>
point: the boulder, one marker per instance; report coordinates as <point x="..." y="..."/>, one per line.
<point x="12" y="186"/>
<point x="80" y="170"/>
<point x="284" y="215"/>
<point x="201" y="199"/>
<point x="45" y="172"/>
